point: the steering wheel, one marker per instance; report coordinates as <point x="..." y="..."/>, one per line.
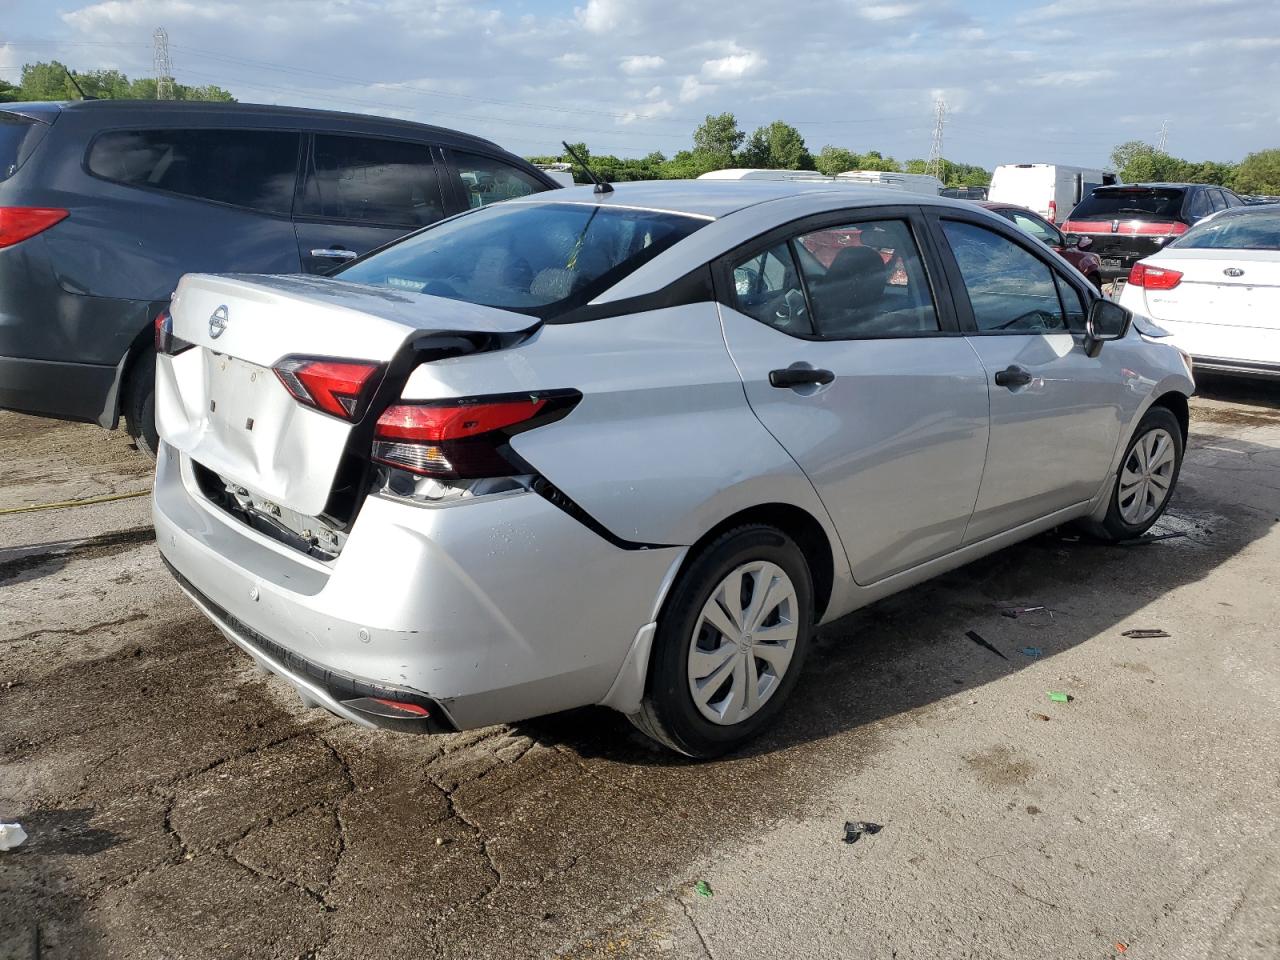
<point x="791" y="308"/>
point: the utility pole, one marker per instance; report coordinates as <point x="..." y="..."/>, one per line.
<point x="162" y="66"/>
<point x="1164" y="136"/>
<point x="934" y="166"/>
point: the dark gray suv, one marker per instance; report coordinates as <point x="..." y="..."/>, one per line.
<point x="105" y="204"/>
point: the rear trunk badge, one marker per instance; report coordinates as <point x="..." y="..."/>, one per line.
<point x="218" y="322"/>
<point x="1233" y="272"/>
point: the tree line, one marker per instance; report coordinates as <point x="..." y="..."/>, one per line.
<point x="53" y="80"/>
<point x="719" y="142"/>
<point x="1138" y="162"/>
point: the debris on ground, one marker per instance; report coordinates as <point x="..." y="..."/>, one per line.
<point x="1057" y="697"/>
<point x="978" y="639"/>
<point x="1121" y="947"/>
<point x="1144" y="634"/>
<point x="1032" y="652"/>
<point x="853" y="829"/>
<point x="11" y="835"/>
<point x="703" y="889"/>
<point x="1148" y="538"/>
<point x="1041" y="716"/>
<point x="1013" y="613"/>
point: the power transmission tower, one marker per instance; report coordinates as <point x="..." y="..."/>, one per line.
<point x="934" y="166"/>
<point x="1164" y="137"/>
<point x="162" y="65"/>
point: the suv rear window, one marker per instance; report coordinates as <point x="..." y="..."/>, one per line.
<point x="248" y="168"/>
<point x="14" y="133"/>
<point x="542" y="259"/>
<point x="1146" y="204"/>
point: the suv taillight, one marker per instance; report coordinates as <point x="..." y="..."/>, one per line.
<point x="1053" y="211"/>
<point x="22" y="223"/>
<point x="464" y="439"/>
<point x="341" y="388"/>
<point x="1154" y="278"/>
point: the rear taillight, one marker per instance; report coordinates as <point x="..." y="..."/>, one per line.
<point x="166" y="342"/>
<point x="1178" y="228"/>
<point x="464" y="439"/>
<point x="1154" y="278"/>
<point x="1053" y="211"/>
<point x="341" y="388"/>
<point x="21" y="223"/>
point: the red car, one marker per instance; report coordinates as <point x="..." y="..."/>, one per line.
<point x="1073" y="248"/>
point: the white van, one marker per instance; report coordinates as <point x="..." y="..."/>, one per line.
<point x="752" y="173"/>
<point x="1049" y="189"/>
<point x="908" y="182"/>
<point x="561" y="173"/>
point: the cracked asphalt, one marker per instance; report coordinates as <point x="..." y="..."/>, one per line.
<point x="181" y="805"/>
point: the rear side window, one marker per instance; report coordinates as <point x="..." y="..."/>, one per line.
<point x="365" y="180"/>
<point x="256" y="169"/>
<point x="486" y="180"/>
<point x="1125" y="204"/>
<point x="17" y="136"/>
<point x="1198" y="204"/>
<point x="1010" y="290"/>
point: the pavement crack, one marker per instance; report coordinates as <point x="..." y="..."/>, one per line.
<point x="706" y="947"/>
<point x="456" y="811"/>
<point x="78" y="631"/>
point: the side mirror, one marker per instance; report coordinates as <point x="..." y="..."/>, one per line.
<point x="1080" y="242"/>
<point x="1107" y="321"/>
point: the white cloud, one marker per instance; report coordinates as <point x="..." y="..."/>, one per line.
<point x="887" y="11"/>
<point x="641" y="64"/>
<point x="574" y="61"/>
<point x="601" y="16"/>
<point x="691" y="89"/>
<point x="733" y="67"/>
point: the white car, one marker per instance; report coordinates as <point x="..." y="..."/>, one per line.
<point x="1217" y="291"/>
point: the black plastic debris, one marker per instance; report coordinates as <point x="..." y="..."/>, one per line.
<point x="978" y="639"/>
<point x="1144" y="634"/>
<point x="1148" y="538"/>
<point x="853" y="829"/>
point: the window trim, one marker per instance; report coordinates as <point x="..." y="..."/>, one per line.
<point x="308" y="158"/>
<point x="184" y="128"/>
<point x="951" y="269"/>
<point x="790" y="232"/>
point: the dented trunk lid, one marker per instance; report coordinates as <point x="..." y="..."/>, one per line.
<point x="221" y="403"/>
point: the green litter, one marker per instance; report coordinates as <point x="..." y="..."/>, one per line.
<point x="1058" y="697"/>
<point x="703" y="889"/>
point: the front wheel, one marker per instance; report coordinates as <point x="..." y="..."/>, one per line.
<point x="140" y="404"/>
<point x="730" y="643"/>
<point x="1147" y="476"/>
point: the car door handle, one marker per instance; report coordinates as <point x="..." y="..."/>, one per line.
<point x="1013" y="376"/>
<point x="799" y="376"/>
<point x="335" y="253"/>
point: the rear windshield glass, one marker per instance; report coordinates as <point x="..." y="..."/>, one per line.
<point x="1124" y="204"/>
<point x="542" y="259"/>
<point x="1256" y="229"/>
<point x="13" y="132"/>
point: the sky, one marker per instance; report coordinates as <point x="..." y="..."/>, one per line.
<point x="1059" y="81"/>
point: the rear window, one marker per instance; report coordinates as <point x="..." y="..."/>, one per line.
<point x="14" y="134"/>
<point x="1257" y="229"/>
<point x="1152" y="204"/>
<point x="248" y="168"/>
<point x="542" y="259"/>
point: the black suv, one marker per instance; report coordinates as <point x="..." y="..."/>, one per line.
<point x="105" y="204"/>
<point x="1130" y="221"/>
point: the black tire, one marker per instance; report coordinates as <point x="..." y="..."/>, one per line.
<point x="668" y="713"/>
<point x="1115" y="527"/>
<point x="140" y="404"/>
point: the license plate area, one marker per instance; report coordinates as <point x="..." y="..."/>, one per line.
<point x="242" y="395"/>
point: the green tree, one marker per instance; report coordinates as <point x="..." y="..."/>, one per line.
<point x="52" y="81"/>
<point x="47" y="81"/>
<point x="832" y="160"/>
<point x="779" y="146"/>
<point x="874" y="160"/>
<point x="1259" y="173"/>
<point x="718" y="136"/>
<point x="9" y="93"/>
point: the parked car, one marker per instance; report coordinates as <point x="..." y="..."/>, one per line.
<point x="1049" y="189"/>
<point x="630" y="447"/>
<point x="1073" y="248"/>
<point x="923" y="183"/>
<point x="965" y="193"/>
<point x="105" y="204"/>
<point x="1133" y="221"/>
<point x="1216" y="289"/>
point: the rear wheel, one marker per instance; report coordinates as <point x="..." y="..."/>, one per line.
<point x="730" y="644"/>
<point x="1147" y="476"/>
<point x="140" y="404"/>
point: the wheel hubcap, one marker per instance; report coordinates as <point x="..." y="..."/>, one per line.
<point x="1147" y="477"/>
<point x="743" y="642"/>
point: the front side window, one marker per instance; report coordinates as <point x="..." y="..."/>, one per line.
<point x="538" y="258"/>
<point x="866" y="280"/>
<point x="1010" y="290"/>
<point x="486" y="180"/>
<point x="248" y="168"/>
<point x="364" y="180"/>
<point x="767" y="287"/>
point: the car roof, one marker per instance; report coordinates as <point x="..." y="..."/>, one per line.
<point x="713" y="199"/>
<point x="182" y="109"/>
